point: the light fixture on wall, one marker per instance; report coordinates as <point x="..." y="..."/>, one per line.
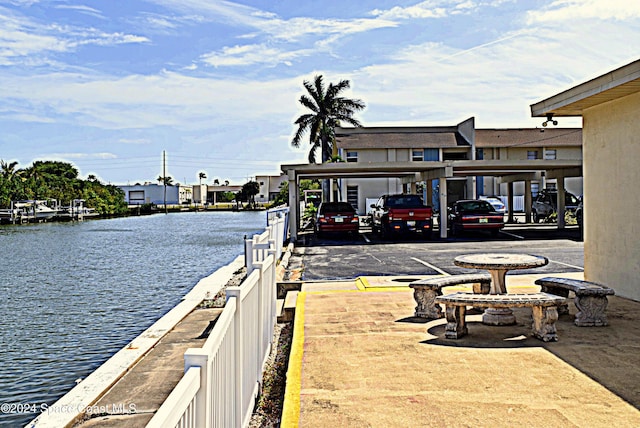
<point x="549" y="119"/>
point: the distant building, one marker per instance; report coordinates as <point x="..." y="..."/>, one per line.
<point x="214" y="190"/>
<point x="152" y="193"/>
<point x="270" y="186"/>
<point x="178" y="194"/>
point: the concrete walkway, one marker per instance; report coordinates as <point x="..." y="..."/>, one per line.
<point x="360" y="359"/>
<point x="134" y="399"/>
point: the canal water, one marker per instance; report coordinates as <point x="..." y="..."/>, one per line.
<point x="73" y="294"/>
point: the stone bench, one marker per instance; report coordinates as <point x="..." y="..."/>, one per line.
<point x="543" y="305"/>
<point x="590" y="298"/>
<point x="425" y="291"/>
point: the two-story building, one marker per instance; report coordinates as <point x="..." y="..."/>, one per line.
<point x="462" y="142"/>
<point x="445" y="164"/>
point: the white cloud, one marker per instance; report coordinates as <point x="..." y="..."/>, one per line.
<point x="82" y="9"/>
<point x="421" y="10"/>
<point x="435" y="9"/>
<point x="29" y="42"/>
<point x="251" y="54"/>
<point x="76" y="156"/>
<point x="138" y="102"/>
<point x="574" y="10"/>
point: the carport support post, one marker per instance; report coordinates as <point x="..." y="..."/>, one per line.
<point x="294" y="206"/>
<point x="560" y="202"/>
<point x="443" y="207"/>
<point x="527" y="201"/>
<point x="510" y="200"/>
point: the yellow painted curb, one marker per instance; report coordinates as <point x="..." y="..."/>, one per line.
<point x="291" y="405"/>
<point x="362" y="283"/>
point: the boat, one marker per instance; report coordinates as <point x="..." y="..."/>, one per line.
<point x="36" y="210"/>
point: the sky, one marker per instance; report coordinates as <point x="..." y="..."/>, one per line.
<point x="130" y="90"/>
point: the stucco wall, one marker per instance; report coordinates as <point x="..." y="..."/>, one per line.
<point x="371" y="188"/>
<point x="611" y="153"/>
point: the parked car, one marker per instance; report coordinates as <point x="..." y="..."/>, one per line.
<point x="395" y="214"/>
<point x="545" y="204"/>
<point x="336" y="217"/>
<point x="474" y="214"/>
<point x="496" y="203"/>
<point x="579" y="213"/>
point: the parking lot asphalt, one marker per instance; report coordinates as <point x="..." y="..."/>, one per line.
<point x="338" y="256"/>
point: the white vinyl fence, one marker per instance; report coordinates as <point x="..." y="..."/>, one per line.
<point x="274" y="236"/>
<point x="222" y="379"/>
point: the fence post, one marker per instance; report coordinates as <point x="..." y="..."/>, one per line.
<point x="271" y="283"/>
<point x="248" y="254"/>
<point x="236" y="293"/>
<point x="198" y="357"/>
<point x="260" y="267"/>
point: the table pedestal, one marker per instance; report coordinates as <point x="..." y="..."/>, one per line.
<point x="503" y="316"/>
<point x="493" y="316"/>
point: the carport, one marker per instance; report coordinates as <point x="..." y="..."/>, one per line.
<point x="509" y="171"/>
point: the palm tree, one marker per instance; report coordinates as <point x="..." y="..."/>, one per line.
<point x="201" y="176"/>
<point x="328" y="110"/>
<point x="8" y="182"/>
<point x="167" y="181"/>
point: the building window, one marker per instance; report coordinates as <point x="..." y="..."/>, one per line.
<point x="352" y="156"/>
<point x="550" y="154"/>
<point x="532" y="154"/>
<point x="136" y="197"/>
<point x="419" y="155"/>
<point x="454" y="156"/>
<point x="352" y="196"/>
<point x="432" y="155"/>
<point x="534" y="189"/>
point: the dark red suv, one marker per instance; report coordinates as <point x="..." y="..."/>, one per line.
<point x="336" y="217"/>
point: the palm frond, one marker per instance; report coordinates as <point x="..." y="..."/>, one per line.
<point x="309" y="103"/>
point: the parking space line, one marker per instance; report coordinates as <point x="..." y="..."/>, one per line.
<point x="429" y="265"/>
<point x="566" y="264"/>
<point x="512" y="234"/>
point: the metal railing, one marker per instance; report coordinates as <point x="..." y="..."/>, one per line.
<point x="231" y="362"/>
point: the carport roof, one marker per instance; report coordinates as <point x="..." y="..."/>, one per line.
<point x="610" y="86"/>
<point x="418" y="171"/>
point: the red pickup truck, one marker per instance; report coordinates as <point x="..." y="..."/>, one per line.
<point x="395" y="214"/>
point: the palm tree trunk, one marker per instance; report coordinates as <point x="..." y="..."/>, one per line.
<point x="326" y="183"/>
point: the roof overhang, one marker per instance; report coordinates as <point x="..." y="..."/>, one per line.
<point x="417" y="171"/>
<point x="572" y="102"/>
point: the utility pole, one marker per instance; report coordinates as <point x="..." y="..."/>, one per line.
<point x="164" y="179"/>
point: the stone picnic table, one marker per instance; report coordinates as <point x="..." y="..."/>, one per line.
<point x="498" y="264"/>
